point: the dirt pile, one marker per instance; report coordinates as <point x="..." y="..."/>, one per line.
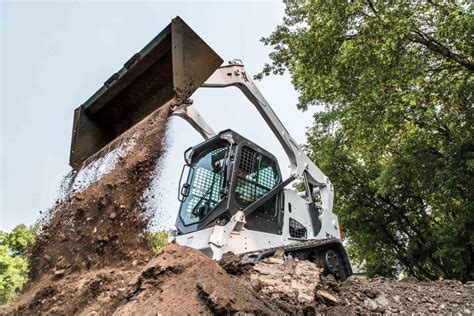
<point x="178" y="281"/>
<point x="381" y="295"/>
<point x="181" y="280"/>
<point x="298" y="285"/>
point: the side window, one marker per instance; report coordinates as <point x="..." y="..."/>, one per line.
<point x="256" y="176"/>
<point x="205" y="180"/>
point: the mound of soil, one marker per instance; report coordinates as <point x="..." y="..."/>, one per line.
<point x="178" y="281"/>
<point x="298" y="286"/>
<point x="181" y="280"/>
<point x="382" y="295"/>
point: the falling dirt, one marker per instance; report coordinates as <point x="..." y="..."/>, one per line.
<point x="104" y="225"/>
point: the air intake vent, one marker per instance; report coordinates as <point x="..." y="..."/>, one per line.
<point x="297" y="230"/>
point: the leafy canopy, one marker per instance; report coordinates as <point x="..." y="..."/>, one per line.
<point x="395" y="136"/>
<point x="13" y="261"/>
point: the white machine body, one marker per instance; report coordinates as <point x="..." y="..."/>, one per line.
<point x="218" y="240"/>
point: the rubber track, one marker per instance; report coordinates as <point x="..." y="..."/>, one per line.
<point x="255" y="256"/>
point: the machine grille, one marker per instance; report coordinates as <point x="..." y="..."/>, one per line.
<point x="297" y="230"/>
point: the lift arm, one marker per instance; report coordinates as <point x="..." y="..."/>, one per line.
<point x="301" y="166"/>
<point x="187" y="112"/>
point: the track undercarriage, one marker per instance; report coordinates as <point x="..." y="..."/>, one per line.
<point x="328" y="254"/>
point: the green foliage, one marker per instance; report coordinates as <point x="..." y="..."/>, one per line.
<point x="20" y="239"/>
<point x="13" y="261"/>
<point x="157" y="240"/>
<point x="395" y="136"/>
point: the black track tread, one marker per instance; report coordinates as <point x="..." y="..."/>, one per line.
<point x="254" y="256"/>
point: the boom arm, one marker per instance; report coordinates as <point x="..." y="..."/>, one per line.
<point x="301" y="166"/>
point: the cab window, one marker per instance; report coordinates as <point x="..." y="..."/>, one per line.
<point x="256" y="176"/>
<point x="205" y="179"/>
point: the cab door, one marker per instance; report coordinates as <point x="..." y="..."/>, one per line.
<point x="256" y="175"/>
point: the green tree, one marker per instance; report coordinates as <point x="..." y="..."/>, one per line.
<point x="395" y="136"/>
<point x="13" y="261"/>
<point x="157" y="240"/>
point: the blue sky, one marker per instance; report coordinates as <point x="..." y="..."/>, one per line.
<point x="55" y="55"/>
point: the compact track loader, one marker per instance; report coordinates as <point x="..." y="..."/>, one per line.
<point x="232" y="193"/>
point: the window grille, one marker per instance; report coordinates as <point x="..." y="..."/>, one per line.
<point x="256" y="176"/>
<point x="205" y="186"/>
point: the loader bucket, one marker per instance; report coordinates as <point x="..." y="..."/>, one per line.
<point x="175" y="63"/>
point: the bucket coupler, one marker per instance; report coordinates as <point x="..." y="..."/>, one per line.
<point x="172" y="66"/>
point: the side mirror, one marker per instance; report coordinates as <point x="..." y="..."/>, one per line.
<point x="217" y="166"/>
<point x="184" y="190"/>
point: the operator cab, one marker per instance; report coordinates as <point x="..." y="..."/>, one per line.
<point x="226" y="174"/>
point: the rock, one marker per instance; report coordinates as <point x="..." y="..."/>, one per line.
<point x="371" y="293"/>
<point x="466" y="311"/>
<point x="382" y="301"/>
<point x="371" y="304"/>
<point x="279" y="253"/>
<point x="396" y="299"/>
<point x="326" y="296"/>
<point x="59" y="273"/>
<point x="104" y="238"/>
<point x="292" y="280"/>
<point x="112" y="215"/>
<point x="276" y="260"/>
<point x="110" y="185"/>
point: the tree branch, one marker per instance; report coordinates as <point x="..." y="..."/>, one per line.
<point x="430" y="43"/>
<point x="372" y="8"/>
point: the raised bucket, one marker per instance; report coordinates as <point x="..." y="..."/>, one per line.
<point x="174" y="64"/>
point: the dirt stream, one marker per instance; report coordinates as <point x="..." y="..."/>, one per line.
<point x="92" y="258"/>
